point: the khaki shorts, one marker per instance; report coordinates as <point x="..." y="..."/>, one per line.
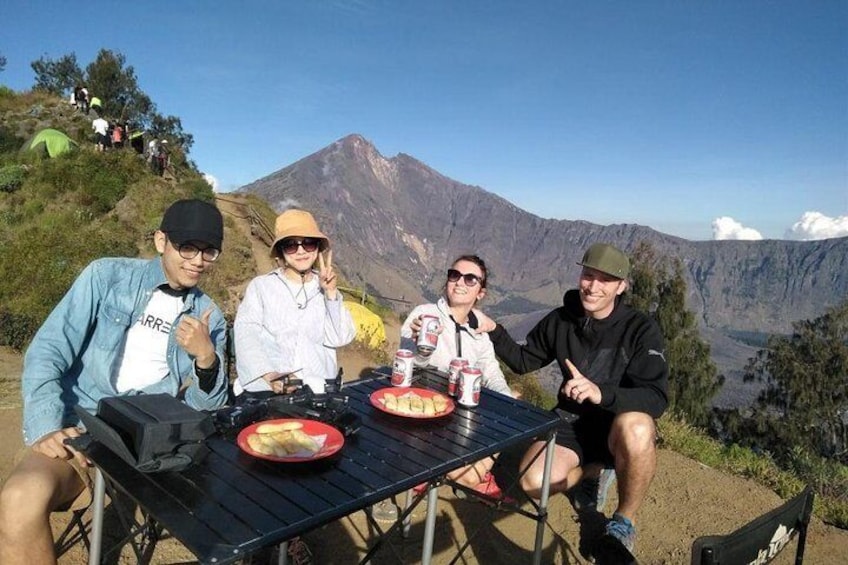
<point x="86" y="475"/>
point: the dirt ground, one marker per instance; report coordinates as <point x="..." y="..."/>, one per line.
<point x="686" y="500"/>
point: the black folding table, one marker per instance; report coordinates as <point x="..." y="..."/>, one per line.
<point x="232" y="504"/>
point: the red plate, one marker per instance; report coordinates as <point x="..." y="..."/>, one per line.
<point x="330" y="438"/>
<point x="400" y="391"/>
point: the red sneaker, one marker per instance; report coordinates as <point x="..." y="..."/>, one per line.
<point x="420" y="489"/>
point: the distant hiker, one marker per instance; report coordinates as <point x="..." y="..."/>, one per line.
<point x="82" y="99"/>
<point x="164" y="157"/>
<point x="153" y="155"/>
<point x="615" y="384"/>
<point x="73" y="99"/>
<point x="136" y="140"/>
<point x="96" y="104"/>
<point x="101" y="128"/>
<point x="125" y="327"/>
<point x="117" y="135"/>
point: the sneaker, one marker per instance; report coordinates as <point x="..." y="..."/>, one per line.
<point x="622" y="529"/>
<point x="420" y="489"/>
<point x="591" y="494"/>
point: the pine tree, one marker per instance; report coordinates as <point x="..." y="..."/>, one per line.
<point x="805" y="402"/>
<point x="658" y="287"/>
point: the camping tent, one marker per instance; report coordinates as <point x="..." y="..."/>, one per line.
<point x="53" y="141"/>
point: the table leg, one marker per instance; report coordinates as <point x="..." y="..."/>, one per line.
<point x="429" y="525"/>
<point x="543" y="500"/>
<point x="98" y="501"/>
<point x="283" y="556"/>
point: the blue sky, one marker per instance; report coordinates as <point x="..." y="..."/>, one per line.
<point x="720" y="119"/>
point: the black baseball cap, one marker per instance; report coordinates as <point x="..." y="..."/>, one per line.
<point x="193" y="220"/>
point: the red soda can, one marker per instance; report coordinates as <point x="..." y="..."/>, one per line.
<point x="428" y="336"/>
<point x="470" y="381"/>
<point x="402" y="368"/>
<point x="456" y="365"/>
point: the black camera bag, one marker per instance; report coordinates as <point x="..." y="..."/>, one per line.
<point x="151" y="432"/>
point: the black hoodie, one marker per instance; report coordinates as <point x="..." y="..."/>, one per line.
<point x="623" y="354"/>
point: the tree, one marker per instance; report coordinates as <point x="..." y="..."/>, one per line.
<point x="117" y="88"/>
<point x="57" y="77"/>
<point x="805" y="402"/>
<point x="2" y="62"/>
<point x="658" y="287"/>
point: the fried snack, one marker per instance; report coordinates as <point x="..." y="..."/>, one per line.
<point x="390" y="401"/>
<point x="413" y="404"/>
<point x="257" y="443"/>
<point x="278" y="427"/>
<point x="416" y="404"/>
<point x="429" y="407"/>
<point x="302" y="441"/>
<point x="440" y="403"/>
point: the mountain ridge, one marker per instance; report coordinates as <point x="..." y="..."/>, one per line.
<point x="398" y="213"/>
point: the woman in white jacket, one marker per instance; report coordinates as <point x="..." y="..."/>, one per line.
<point x="292" y="319"/>
<point x="465" y="286"/>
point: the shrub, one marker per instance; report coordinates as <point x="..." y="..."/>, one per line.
<point x="11" y="178"/>
<point x="16" y="330"/>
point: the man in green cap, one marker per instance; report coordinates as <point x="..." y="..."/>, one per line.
<point x="615" y="384"/>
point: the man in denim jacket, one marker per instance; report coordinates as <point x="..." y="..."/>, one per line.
<point x="126" y="326"/>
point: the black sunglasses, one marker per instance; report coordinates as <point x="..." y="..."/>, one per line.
<point x="470" y="278"/>
<point x="289" y="246"/>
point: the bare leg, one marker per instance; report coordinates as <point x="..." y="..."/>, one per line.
<point x="36" y="487"/>
<point x="565" y="471"/>
<point x="632" y="441"/>
<point x="472" y="475"/>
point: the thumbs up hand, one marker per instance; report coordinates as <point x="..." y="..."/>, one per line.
<point x="192" y="334"/>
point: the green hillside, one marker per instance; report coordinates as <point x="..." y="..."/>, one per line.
<point x="56" y="215"/>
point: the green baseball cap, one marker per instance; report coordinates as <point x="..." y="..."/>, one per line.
<point x="607" y="259"/>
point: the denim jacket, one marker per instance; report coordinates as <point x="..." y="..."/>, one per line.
<point x="74" y="355"/>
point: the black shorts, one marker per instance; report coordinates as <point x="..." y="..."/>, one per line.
<point x="587" y="436"/>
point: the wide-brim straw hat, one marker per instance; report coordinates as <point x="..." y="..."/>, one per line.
<point x="297" y="223"/>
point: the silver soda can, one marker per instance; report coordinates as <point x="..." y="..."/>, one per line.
<point x="402" y="368"/>
<point x="428" y="336"/>
<point x="470" y="381"/>
<point x="456" y="365"/>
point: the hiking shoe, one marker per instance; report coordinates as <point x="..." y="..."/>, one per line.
<point x="621" y="529"/>
<point x="591" y="494"/>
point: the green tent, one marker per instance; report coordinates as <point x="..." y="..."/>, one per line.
<point x="53" y="141"/>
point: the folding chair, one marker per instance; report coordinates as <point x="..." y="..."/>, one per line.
<point x="761" y="539"/>
<point x="75" y="532"/>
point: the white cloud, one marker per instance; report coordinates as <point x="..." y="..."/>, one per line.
<point x="213" y="182"/>
<point x="815" y="225"/>
<point x="728" y="228"/>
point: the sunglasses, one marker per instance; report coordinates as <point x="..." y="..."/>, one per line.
<point x="470" y="278"/>
<point x="289" y="246"/>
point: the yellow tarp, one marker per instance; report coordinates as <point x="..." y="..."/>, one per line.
<point x="370" y="330"/>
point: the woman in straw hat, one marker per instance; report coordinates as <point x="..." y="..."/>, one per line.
<point x="292" y="319"/>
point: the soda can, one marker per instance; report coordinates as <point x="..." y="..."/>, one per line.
<point x="402" y="368"/>
<point x="428" y="336"/>
<point x="470" y="382"/>
<point x="456" y="365"/>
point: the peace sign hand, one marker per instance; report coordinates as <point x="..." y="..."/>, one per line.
<point x="326" y="275"/>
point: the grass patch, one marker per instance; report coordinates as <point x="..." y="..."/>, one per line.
<point x="828" y="479"/>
